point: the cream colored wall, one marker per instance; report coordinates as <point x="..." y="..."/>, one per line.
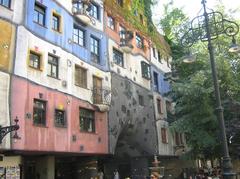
<point x="132" y="66"/>
<point x="67" y="61"/>
<point x="4" y="107"/>
<point x="98" y="23"/>
<point x="11" y="161"/>
<point x="15" y="13"/>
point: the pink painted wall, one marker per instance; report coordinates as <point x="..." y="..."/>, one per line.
<point x="51" y="138"/>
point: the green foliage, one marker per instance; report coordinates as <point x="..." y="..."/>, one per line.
<point x="193" y="92"/>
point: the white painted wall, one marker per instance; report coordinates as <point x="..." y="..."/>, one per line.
<point x="67" y="4"/>
<point x="15" y="13"/>
<point x="161" y="66"/>
<point x="67" y="61"/>
<point x="132" y="66"/>
<point x="4" y="107"/>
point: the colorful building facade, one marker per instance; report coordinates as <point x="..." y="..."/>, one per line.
<point x="86" y="80"/>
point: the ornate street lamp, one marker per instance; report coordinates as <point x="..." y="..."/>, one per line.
<point x="206" y="28"/>
<point x="5" y="130"/>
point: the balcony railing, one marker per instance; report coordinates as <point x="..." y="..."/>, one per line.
<point x="101" y="95"/>
<point x="81" y="10"/>
<point x="126" y="41"/>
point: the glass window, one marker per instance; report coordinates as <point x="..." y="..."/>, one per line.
<point x="155" y="81"/>
<point x="145" y="70"/>
<point x="139" y="41"/>
<point x="94" y="12"/>
<point x="95" y="50"/>
<point x="86" y="120"/>
<point x="122" y="32"/>
<point x="39" y="14"/>
<point x="60" y="118"/>
<point x="52" y="66"/>
<point x="78" y="35"/>
<point x="56" y="22"/>
<point x="154" y="52"/>
<point x="159" y="106"/>
<point x="117" y="57"/>
<point x="39" y="112"/>
<point x="80" y="76"/>
<point x="120" y="2"/>
<point x="159" y="57"/>
<point x="5" y="3"/>
<point x="34" y="60"/>
<point x="140" y="99"/>
<point x="164" y="135"/>
<point x="111" y="23"/>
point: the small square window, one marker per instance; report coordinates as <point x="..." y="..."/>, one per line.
<point x="5" y="3"/>
<point x="78" y="35"/>
<point x="139" y="41"/>
<point x="39" y="112"/>
<point x="80" y="76"/>
<point x="60" y="119"/>
<point x="39" y="14"/>
<point x="56" y="20"/>
<point x="94" y="12"/>
<point x="86" y="120"/>
<point x="145" y="70"/>
<point x="111" y="22"/>
<point x="35" y="60"/>
<point x="52" y="66"/>
<point x="118" y="57"/>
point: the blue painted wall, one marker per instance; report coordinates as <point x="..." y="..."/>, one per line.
<point x="163" y="86"/>
<point x="62" y="39"/>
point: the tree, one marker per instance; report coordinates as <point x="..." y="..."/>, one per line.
<point x="193" y="93"/>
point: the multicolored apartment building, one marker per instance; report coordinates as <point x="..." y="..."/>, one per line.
<point x="87" y="85"/>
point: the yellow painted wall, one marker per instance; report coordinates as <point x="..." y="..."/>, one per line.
<point x="7" y="39"/>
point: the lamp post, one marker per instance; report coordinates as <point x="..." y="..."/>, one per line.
<point x="206" y="28"/>
<point x="5" y="130"/>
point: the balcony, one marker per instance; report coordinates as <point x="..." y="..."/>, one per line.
<point x="101" y="97"/>
<point x="81" y="10"/>
<point x="126" y="41"/>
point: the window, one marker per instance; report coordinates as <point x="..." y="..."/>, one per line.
<point x="159" y="106"/>
<point x="118" y="57"/>
<point x="80" y="76"/>
<point x="168" y="106"/>
<point x="159" y="57"/>
<point x="155" y="82"/>
<point x="139" y="41"/>
<point x="95" y="50"/>
<point x="56" y="20"/>
<point x="154" y="53"/>
<point x="122" y="32"/>
<point x="39" y="112"/>
<point x="35" y="60"/>
<point x="140" y="99"/>
<point x="52" y="66"/>
<point x="86" y="120"/>
<point x="39" y="14"/>
<point x="178" y="139"/>
<point x="111" y="23"/>
<point x="145" y="70"/>
<point x="97" y="90"/>
<point x="164" y="135"/>
<point x="5" y="3"/>
<point x="78" y="35"/>
<point x="60" y="119"/>
<point x="120" y="2"/>
<point x="94" y="12"/>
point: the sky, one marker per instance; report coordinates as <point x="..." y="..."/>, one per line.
<point x="192" y="7"/>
